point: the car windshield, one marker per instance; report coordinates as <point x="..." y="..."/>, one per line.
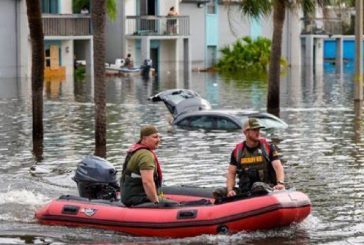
<point x="267" y="122"/>
<point x="271" y="123"/>
<point x="208" y="122"/>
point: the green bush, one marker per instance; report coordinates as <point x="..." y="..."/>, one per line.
<point x="245" y="56"/>
<point x="80" y="73"/>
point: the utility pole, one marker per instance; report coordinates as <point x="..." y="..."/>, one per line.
<point x="359" y="50"/>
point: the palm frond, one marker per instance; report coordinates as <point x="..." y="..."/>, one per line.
<point x="111" y="9"/>
<point x="256" y="8"/>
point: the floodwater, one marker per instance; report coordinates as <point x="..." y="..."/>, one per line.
<point x="322" y="152"/>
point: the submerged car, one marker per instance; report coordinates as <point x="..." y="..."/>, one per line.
<point x="180" y="101"/>
<point x="190" y="110"/>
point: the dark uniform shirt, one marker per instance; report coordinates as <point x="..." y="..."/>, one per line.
<point x="273" y="155"/>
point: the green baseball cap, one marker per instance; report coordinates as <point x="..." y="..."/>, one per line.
<point x="252" y="123"/>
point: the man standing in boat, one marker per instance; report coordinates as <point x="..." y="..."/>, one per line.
<point x="129" y="61"/>
<point x="142" y="175"/>
<point x="253" y="160"/>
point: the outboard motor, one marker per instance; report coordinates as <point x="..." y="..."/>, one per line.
<point x="96" y="179"/>
<point x="146" y="68"/>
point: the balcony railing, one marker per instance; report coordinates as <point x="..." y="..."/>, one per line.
<point x="158" y="26"/>
<point x="66" y="25"/>
<point x="322" y="26"/>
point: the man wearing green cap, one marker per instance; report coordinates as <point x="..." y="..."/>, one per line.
<point x="253" y="160"/>
<point x="142" y="175"/>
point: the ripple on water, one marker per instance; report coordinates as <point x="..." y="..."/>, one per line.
<point x="20" y="205"/>
<point x="322" y="151"/>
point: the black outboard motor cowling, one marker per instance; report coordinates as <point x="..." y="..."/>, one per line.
<point x="96" y="179"/>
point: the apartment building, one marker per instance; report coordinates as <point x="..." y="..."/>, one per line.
<point x="218" y="23"/>
<point x="67" y="36"/>
<point x="204" y="27"/>
<point x="144" y="30"/>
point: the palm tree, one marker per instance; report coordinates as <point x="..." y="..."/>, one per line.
<point x="98" y="14"/>
<point x="36" y="38"/>
<point x="258" y="8"/>
<point x="279" y="13"/>
<point x="37" y="43"/>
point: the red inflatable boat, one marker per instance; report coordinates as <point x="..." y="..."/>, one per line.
<point x="195" y="216"/>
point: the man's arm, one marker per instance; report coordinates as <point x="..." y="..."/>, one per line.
<point x="230" y="181"/>
<point x="278" y="168"/>
<point x="149" y="185"/>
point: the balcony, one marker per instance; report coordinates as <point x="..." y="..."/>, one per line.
<point x="322" y="26"/>
<point x="157" y="26"/>
<point x="66" y="25"/>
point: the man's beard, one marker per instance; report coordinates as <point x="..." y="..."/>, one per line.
<point x="255" y="139"/>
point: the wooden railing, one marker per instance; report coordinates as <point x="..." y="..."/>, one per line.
<point x="157" y="26"/>
<point x="66" y="25"/>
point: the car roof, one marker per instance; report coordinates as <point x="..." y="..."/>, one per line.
<point x="225" y="112"/>
<point x="238" y="116"/>
<point x="181" y="100"/>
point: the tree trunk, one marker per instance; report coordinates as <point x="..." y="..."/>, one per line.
<point x="37" y="43"/>
<point x="279" y="13"/>
<point x="98" y="25"/>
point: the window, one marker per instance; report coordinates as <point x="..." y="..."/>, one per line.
<point x="208" y="122"/>
<point x="184" y="123"/>
<point x="49" y="6"/>
<point x="271" y="123"/>
<point x="224" y="123"/>
<point x="202" y="122"/>
<point x="47" y="57"/>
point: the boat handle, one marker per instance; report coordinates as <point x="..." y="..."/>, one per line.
<point x="187" y="214"/>
<point x="68" y="209"/>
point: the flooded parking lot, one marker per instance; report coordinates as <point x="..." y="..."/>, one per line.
<point x="322" y="152"/>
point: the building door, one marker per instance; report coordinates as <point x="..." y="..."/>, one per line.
<point x="154" y="55"/>
<point x="54" y="57"/>
<point x="147" y="8"/>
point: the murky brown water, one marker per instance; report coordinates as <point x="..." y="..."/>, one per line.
<point x="322" y="149"/>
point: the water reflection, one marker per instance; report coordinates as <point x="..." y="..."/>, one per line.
<point x="358" y="108"/>
<point x="322" y="151"/>
<point x="53" y="88"/>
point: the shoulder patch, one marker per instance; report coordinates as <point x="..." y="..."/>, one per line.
<point x="275" y="154"/>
